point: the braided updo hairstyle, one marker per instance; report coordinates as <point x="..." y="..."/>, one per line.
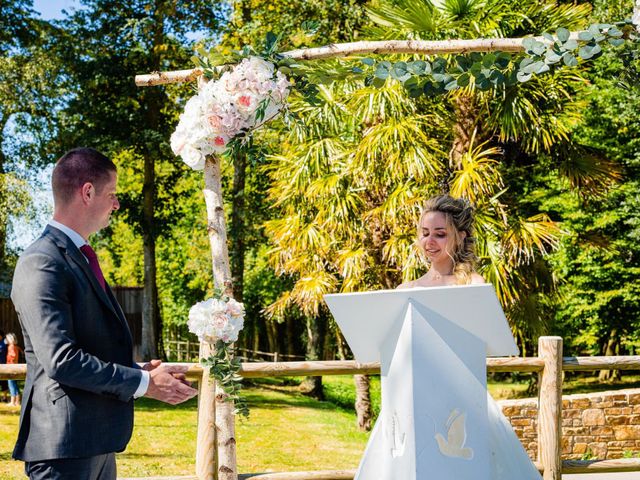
<point x="459" y="214"/>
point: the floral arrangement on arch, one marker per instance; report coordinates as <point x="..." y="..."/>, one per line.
<point x="218" y="321"/>
<point x="244" y="97"/>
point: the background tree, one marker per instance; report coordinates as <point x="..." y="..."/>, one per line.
<point x="29" y="96"/>
<point x="104" y="45"/>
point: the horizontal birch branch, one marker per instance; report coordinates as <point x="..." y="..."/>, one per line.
<point x="423" y="47"/>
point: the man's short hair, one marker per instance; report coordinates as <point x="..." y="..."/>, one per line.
<point x="77" y="167"/>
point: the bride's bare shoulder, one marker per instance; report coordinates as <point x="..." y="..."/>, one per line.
<point x="476" y="278"/>
<point x="409" y="284"/>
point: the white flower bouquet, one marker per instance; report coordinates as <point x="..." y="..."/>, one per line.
<point x="218" y="321"/>
<point x="241" y="100"/>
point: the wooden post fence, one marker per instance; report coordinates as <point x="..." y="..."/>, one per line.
<point x="549" y="364"/>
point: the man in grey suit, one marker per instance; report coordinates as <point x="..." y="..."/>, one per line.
<point x="81" y="381"/>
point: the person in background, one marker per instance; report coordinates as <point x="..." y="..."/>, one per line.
<point x="4" y="387"/>
<point x="13" y="357"/>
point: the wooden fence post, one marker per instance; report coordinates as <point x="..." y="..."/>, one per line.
<point x="550" y="407"/>
<point x="206" y="458"/>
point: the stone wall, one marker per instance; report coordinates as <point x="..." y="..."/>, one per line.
<point x="603" y="425"/>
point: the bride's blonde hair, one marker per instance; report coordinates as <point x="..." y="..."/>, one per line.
<point x="459" y="215"/>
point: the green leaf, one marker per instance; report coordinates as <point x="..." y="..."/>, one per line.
<point x="378" y="82"/>
<point x="419" y="67"/>
<point x="368" y="61"/>
<point x="585" y="52"/>
<point x="463" y="80"/>
<point x="548" y="36"/>
<point x="463" y="62"/>
<point x="571" y="44"/>
<point x="452" y="85"/>
<point x="539" y="48"/>
<point x="503" y="59"/>
<point x="594" y="30"/>
<point x="526" y="62"/>
<point x="523" y="77"/>
<point x="399" y="71"/>
<point x="382" y="70"/>
<point x="614" y="32"/>
<point x="585" y="36"/>
<point x="497" y="78"/>
<point x="475" y="69"/>
<point x="563" y="34"/>
<point x="527" y="43"/>
<point x="439" y="65"/>
<point x="569" y="59"/>
<point x="542" y="68"/>
<point x="552" y="57"/>
<point x="488" y="60"/>
<point x="483" y="84"/>
<point x="616" y="42"/>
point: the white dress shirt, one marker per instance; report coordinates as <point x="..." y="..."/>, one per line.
<point x="79" y="241"/>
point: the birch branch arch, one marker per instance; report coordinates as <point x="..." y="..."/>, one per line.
<point x="359" y="48"/>
<point x="216" y="443"/>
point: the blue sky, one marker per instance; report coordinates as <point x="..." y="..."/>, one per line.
<point x="50" y="9"/>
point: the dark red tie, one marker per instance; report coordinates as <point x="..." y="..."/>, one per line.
<point x="93" y="263"/>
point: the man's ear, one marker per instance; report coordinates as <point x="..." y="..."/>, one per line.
<point x="87" y="191"/>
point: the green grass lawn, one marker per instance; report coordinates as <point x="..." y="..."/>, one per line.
<point x="285" y="432"/>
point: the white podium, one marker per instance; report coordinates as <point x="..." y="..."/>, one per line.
<point x="437" y="420"/>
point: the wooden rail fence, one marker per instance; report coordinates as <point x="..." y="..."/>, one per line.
<point x="549" y="364"/>
<point x="189" y="350"/>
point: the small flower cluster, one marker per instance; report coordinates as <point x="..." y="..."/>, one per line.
<point x="216" y="319"/>
<point x="240" y="100"/>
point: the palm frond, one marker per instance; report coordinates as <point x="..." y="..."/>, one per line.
<point x="526" y="237"/>
<point x="309" y="290"/>
<point x="406" y="17"/>
<point x="478" y="175"/>
<point x="589" y="171"/>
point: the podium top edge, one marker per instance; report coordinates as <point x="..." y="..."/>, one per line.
<point x="412" y="289"/>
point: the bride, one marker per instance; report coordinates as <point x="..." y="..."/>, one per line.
<point x="445" y="238"/>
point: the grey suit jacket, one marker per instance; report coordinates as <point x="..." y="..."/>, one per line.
<point x="81" y="376"/>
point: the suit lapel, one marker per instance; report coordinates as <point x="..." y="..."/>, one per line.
<point x="72" y="252"/>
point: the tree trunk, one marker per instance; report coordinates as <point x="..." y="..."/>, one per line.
<point x="612" y="347"/>
<point x="463" y="129"/>
<point x="312" y="386"/>
<point x="237" y="227"/>
<point x="363" y="402"/>
<point x="4" y="217"/>
<point x="150" y="313"/>
<point x="151" y="321"/>
<point x="290" y="345"/>
<point x="272" y="336"/>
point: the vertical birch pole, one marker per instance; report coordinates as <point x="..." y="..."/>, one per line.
<point x="223" y="459"/>
<point x="216" y="443"/>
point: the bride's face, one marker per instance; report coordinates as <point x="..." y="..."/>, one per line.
<point x="433" y="236"/>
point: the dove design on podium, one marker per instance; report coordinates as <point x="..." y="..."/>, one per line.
<point x="453" y="446"/>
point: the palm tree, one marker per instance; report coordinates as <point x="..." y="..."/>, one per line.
<point x="351" y="177"/>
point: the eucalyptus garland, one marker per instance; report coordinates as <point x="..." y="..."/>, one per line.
<point x="485" y="71"/>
